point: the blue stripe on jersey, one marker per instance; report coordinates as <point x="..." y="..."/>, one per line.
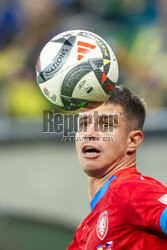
<point x="101" y="192"/>
<point x="163" y="221"/>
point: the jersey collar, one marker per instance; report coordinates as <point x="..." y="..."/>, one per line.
<point x="101" y="192"/>
<point x="104" y="188"/>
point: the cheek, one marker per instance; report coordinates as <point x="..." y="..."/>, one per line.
<point x="118" y="144"/>
<point x="78" y="141"/>
<point x="77" y="146"/>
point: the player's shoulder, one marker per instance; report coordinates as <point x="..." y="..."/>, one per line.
<point x="135" y="181"/>
<point x="134" y="188"/>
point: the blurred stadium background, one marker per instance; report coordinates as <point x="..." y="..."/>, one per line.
<point x="43" y="191"/>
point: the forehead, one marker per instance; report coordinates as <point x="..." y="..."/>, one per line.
<point x="105" y="109"/>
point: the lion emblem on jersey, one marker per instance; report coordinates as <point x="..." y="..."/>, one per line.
<point x="102" y="225"/>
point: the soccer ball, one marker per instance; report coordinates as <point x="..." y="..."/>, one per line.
<point x="77" y="70"/>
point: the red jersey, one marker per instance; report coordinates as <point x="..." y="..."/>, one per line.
<point x="128" y="212"/>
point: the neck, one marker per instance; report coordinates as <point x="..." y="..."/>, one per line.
<point x="96" y="182"/>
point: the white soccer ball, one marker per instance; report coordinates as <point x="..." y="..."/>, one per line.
<point x="77" y="70"/>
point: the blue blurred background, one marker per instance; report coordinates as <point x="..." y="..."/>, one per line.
<point x="43" y="192"/>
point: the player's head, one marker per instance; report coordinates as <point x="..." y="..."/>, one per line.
<point x="110" y="134"/>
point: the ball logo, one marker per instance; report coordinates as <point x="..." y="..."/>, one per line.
<point x="102" y="225"/>
<point x="84" y="48"/>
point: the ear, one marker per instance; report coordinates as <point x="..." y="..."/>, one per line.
<point x="135" y="138"/>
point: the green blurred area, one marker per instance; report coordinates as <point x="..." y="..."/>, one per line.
<point x="18" y="234"/>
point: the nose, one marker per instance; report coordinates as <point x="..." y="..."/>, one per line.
<point x="89" y="133"/>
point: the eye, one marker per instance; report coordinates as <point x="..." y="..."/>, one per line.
<point x="107" y="124"/>
<point x="83" y="124"/>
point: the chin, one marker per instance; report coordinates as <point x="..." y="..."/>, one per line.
<point x="94" y="170"/>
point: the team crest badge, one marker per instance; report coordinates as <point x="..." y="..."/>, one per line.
<point x="102" y="225"/>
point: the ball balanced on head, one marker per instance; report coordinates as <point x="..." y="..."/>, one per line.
<point x="77" y="70"/>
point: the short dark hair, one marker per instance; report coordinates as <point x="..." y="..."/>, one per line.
<point x="133" y="106"/>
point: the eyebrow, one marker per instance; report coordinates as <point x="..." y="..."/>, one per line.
<point x="105" y="116"/>
<point x="110" y="117"/>
<point x="85" y="117"/>
<point x="82" y="116"/>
